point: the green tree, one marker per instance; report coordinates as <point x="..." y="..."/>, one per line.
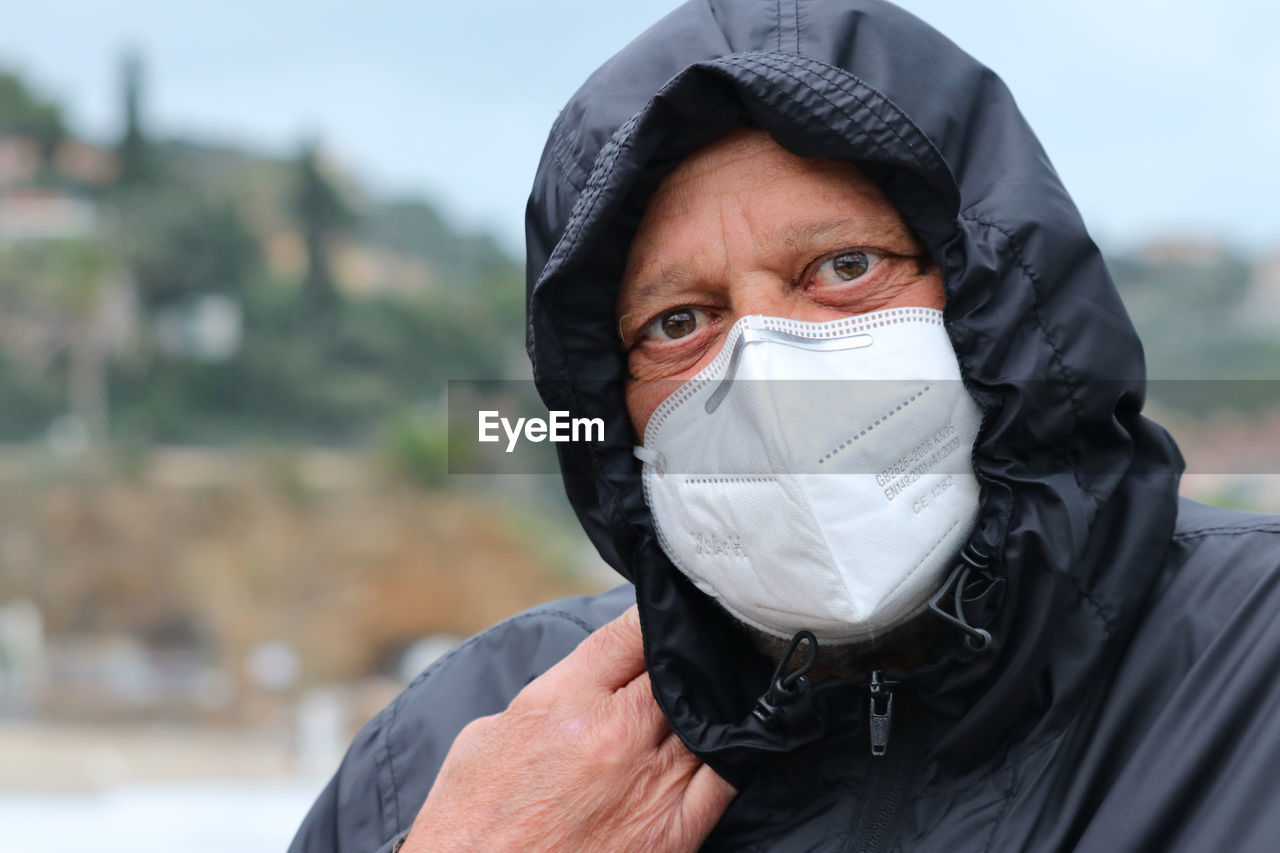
<point x="24" y="112"/>
<point x="58" y="289"/>
<point x="322" y="215"/>
<point x="138" y="162"/>
<point x="181" y="244"/>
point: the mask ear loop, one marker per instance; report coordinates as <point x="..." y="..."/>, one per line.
<point x="971" y="558"/>
<point x="650" y="457"/>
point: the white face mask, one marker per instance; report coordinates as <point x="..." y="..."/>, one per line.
<point x="835" y="505"/>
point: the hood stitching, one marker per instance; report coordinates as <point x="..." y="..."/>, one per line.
<point x="795" y="7"/>
<point x="388" y="797"/>
<point x="746" y="60"/>
<point x="585" y="204"/>
<point x="1010" y="791"/>
<point x="1107" y="620"/>
<point x="795" y="22"/>
<point x="560" y="153"/>
<point x="1229" y="530"/>
<point x="1037" y="314"/>
<point x="793" y="31"/>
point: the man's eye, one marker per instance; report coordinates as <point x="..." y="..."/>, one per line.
<point x="845" y="266"/>
<point x="674" y="324"/>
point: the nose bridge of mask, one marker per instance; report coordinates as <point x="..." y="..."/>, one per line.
<point x="815" y="395"/>
<point x="752" y="334"/>
<point x="767" y="371"/>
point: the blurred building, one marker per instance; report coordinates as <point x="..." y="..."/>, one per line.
<point x="36" y="213"/>
<point x="1194" y="250"/>
<point x="208" y="327"/>
<point x="361" y="270"/>
<point x="22" y="657"/>
<point x="54" y="200"/>
<point x="20" y="160"/>
<point x="1260" y="309"/>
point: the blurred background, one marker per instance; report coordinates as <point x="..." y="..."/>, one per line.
<point x="244" y="247"/>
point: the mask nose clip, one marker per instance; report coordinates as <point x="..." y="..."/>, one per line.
<point x="751" y="335"/>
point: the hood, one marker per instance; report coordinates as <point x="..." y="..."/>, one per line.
<point x="1079" y="489"/>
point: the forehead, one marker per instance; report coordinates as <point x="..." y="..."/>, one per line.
<point x="746" y="190"/>
<point x="749" y="161"/>
<point x="753" y="151"/>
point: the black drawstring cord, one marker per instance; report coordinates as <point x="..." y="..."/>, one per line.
<point x="784" y="688"/>
<point x="971" y="559"/>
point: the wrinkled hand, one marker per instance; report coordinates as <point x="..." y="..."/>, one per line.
<point x="583" y="759"/>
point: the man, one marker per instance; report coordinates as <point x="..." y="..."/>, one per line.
<point x="1044" y="650"/>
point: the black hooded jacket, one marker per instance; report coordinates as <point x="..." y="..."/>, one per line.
<point x="1127" y="699"/>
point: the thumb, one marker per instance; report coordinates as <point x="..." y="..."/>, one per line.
<point x="608" y="660"/>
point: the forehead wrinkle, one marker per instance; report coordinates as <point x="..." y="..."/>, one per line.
<point x="870" y="229"/>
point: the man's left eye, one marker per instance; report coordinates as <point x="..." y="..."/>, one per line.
<point x="846" y="266"/>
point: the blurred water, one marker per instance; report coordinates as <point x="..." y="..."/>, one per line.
<point x="257" y="817"/>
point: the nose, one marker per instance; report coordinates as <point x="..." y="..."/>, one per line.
<point x="774" y="296"/>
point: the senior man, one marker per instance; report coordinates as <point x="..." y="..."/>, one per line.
<point x="909" y="567"/>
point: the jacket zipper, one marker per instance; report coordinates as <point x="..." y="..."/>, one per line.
<point x="880" y="718"/>
<point x="891" y="774"/>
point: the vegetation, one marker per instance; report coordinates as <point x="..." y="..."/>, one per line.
<point x="337" y="312"/>
<point x="1202" y="354"/>
<point x="24" y="111"/>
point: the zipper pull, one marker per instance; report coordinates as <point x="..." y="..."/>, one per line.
<point x="784" y="689"/>
<point x="881" y="716"/>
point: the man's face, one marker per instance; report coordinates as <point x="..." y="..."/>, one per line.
<point x="745" y="227"/>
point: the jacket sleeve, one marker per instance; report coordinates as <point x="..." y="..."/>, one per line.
<point x="390" y="766"/>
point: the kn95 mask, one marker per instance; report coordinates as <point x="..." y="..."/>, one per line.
<point x="818" y="475"/>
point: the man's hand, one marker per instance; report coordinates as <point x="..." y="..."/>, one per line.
<point x="583" y="759"/>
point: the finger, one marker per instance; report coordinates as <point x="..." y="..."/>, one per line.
<point x="673" y="753"/>
<point x="635" y="704"/>
<point x="705" y="800"/>
<point x="608" y="660"/>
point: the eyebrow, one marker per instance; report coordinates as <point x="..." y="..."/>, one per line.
<point x="653" y="288"/>
<point x="881" y="231"/>
<point x="673" y="275"/>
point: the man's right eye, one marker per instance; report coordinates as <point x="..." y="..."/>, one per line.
<point x="675" y="324"/>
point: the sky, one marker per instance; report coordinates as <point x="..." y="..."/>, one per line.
<point x="1163" y="118"/>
